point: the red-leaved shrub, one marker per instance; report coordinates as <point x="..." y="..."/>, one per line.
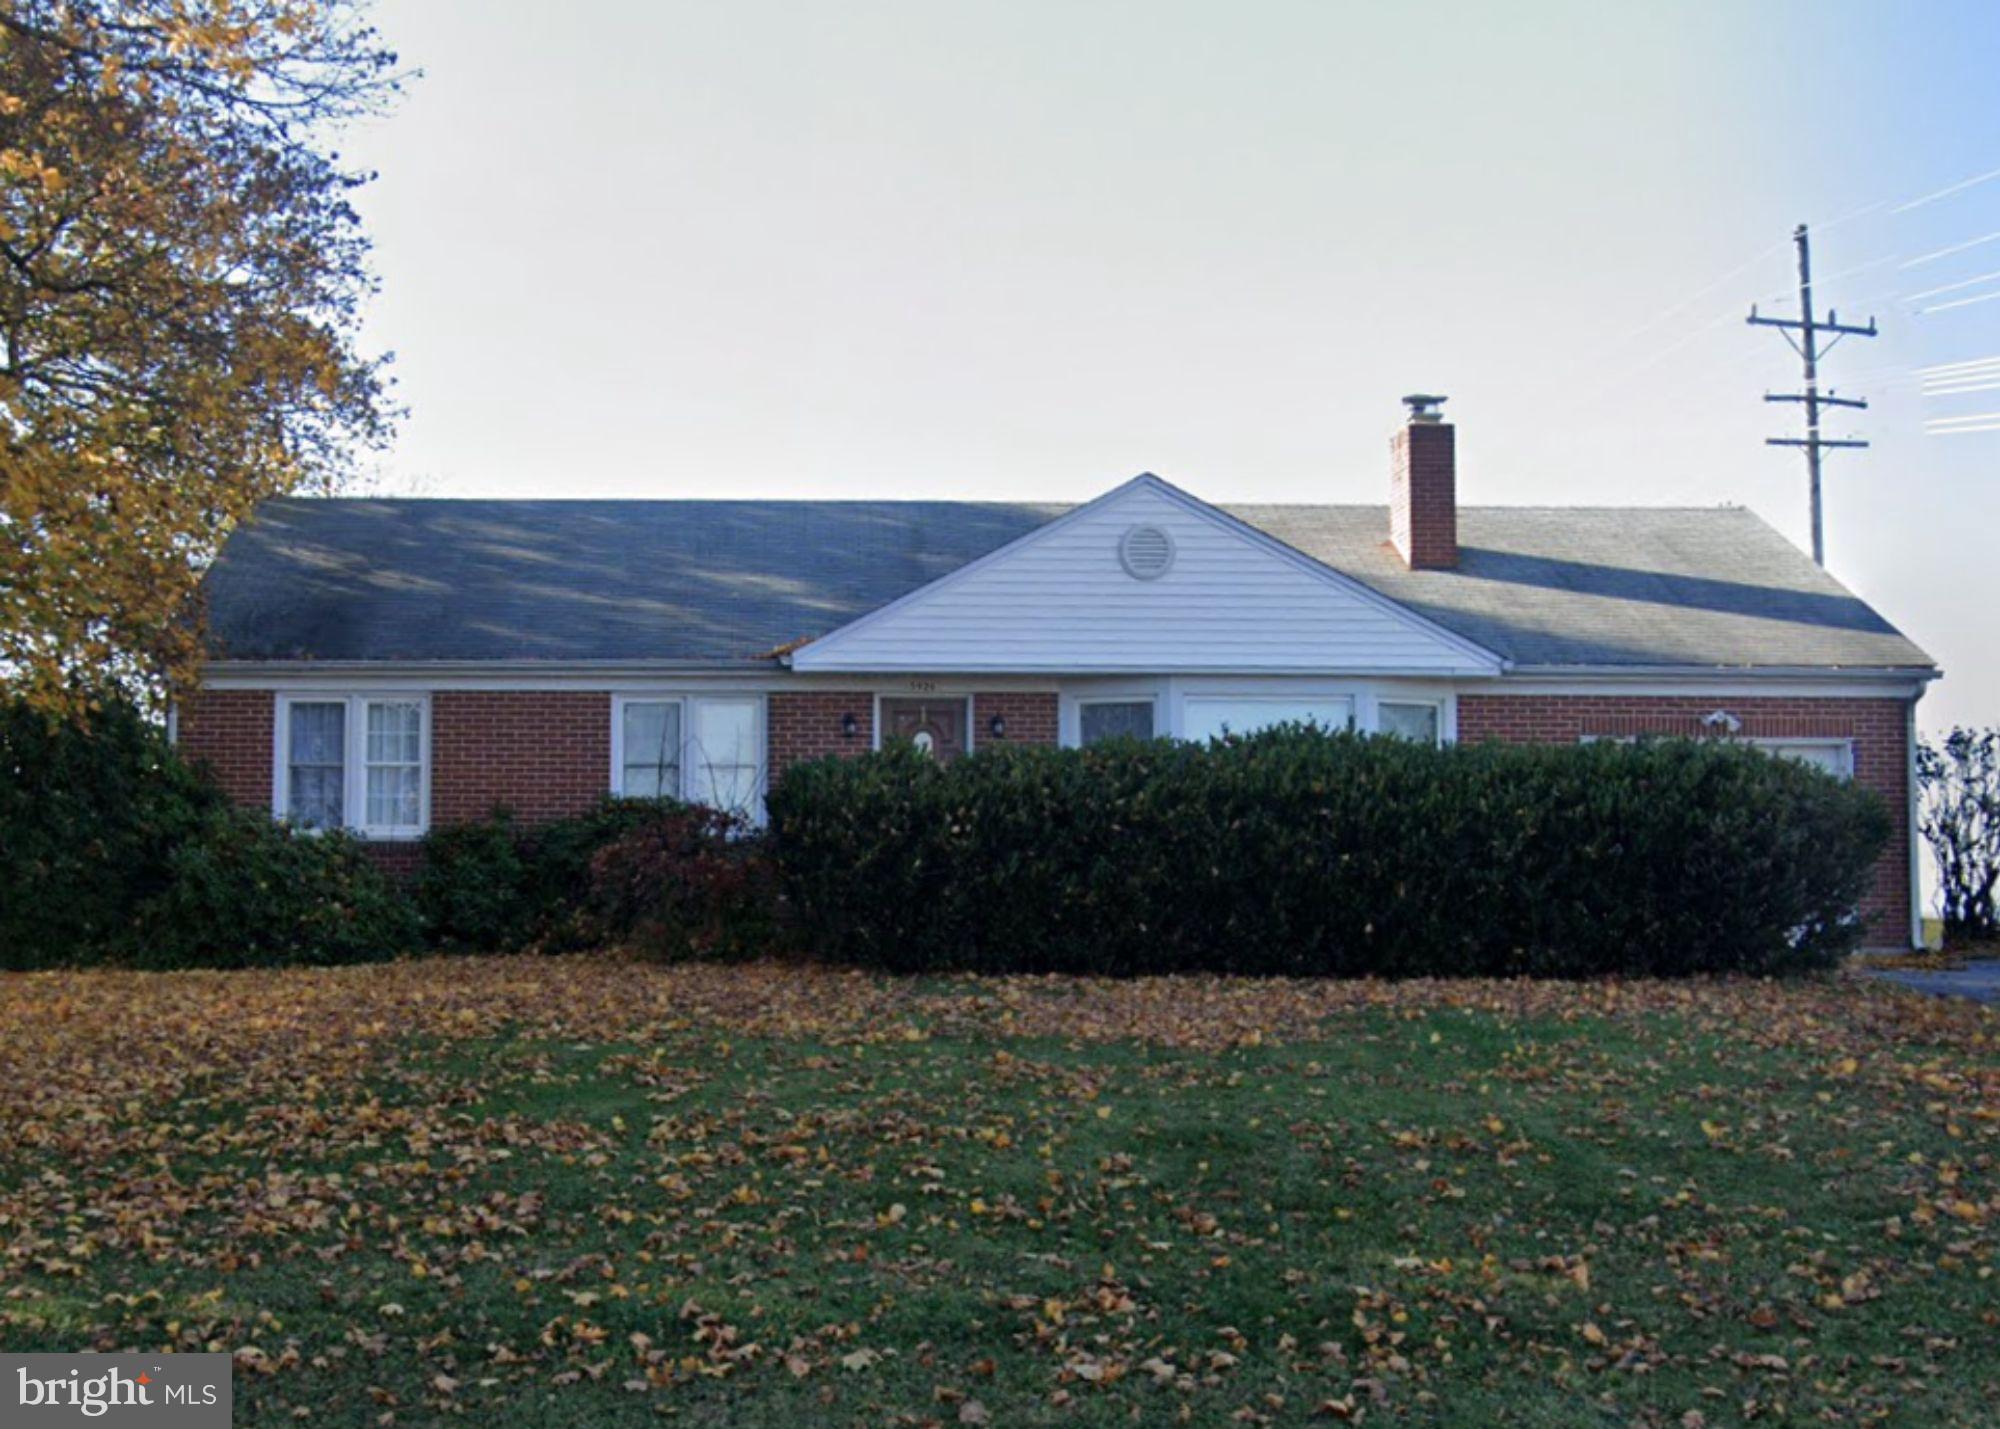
<point x="688" y="882"/>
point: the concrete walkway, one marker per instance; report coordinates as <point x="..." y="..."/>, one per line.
<point x="1978" y="980"/>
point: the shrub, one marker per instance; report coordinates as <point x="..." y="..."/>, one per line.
<point x="1297" y="852"/>
<point x="88" y="813"/>
<point x="559" y="857"/>
<point x="247" y="892"/>
<point x="500" y="885"/>
<point x="687" y="881"/>
<point x="471" y="889"/>
<point x="1959" y="779"/>
<point x="118" y="851"/>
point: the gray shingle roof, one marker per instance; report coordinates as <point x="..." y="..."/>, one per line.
<point x="1597" y="585"/>
<point x="711" y="582"/>
<point x="695" y="581"/>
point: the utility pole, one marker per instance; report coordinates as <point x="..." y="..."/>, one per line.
<point x="1807" y="345"/>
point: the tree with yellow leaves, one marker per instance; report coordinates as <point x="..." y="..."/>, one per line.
<point x="181" y="273"/>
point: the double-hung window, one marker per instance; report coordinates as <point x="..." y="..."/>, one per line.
<point x="392" y="766"/>
<point x="706" y="749"/>
<point x="315" y="794"/>
<point x="358" y="762"/>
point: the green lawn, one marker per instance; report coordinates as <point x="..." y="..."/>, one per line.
<point x="584" y="1191"/>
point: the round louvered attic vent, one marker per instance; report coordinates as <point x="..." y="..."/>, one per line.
<point x="1146" y="552"/>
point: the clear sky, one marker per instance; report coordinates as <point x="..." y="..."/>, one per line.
<point x="1025" y="249"/>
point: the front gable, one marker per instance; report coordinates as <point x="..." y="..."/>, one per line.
<point x="1146" y="579"/>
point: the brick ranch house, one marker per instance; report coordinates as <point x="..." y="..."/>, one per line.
<point x="393" y="665"/>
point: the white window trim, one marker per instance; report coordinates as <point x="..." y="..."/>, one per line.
<point x="1841" y="746"/>
<point x="1171" y="695"/>
<point x="618" y="704"/>
<point x="1431" y="702"/>
<point x="1148" y="698"/>
<point x="1303" y="697"/>
<point x="354" y="772"/>
<point x="687" y="699"/>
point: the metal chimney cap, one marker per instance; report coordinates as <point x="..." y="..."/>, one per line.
<point x="1424" y="406"/>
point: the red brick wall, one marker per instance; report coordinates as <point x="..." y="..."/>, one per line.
<point x="1879" y="729"/>
<point x="545" y="754"/>
<point x="399" y="858"/>
<point x="805" y="724"/>
<point x="230" y="731"/>
<point x="1030" y="717"/>
<point x="1423" y="494"/>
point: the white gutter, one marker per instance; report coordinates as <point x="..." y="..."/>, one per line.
<point x="1727" y="672"/>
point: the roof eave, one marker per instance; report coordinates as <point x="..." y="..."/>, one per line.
<point x="486" y="667"/>
<point x="1886" y="673"/>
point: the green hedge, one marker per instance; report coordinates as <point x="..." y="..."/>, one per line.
<point x="1298" y="852"/>
<point x="500" y="885"/>
<point x="88" y="813"/>
<point x="250" y="893"/>
<point x="113" y="850"/>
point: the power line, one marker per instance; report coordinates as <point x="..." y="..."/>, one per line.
<point x="1963" y="425"/>
<point x="1990" y="361"/>
<point x="1979" y="383"/>
<point x="1668" y="313"/>
<point x="1809" y="327"/>
<point x="1673" y="310"/>
<point x="1922" y="259"/>
<point x="1607" y="379"/>
<point x="1952" y="287"/>
<point x="1947" y="191"/>
<point x="1958" y="303"/>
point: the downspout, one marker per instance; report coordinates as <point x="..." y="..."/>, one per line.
<point x="1916" y="850"/>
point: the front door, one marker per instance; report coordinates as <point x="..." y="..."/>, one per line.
<point x="934" y="725"/>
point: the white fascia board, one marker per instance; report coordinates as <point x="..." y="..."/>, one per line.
<point x="823" y="653"/>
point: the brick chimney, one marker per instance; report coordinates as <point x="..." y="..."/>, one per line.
<point x="1423" y="488"/>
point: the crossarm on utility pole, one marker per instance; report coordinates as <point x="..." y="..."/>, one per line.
<point x="1824" y="399"/>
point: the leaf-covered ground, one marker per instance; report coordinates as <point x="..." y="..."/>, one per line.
<point x="587" y="1191"/>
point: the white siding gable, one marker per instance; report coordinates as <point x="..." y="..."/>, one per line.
<point x="1061" y="600"/>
